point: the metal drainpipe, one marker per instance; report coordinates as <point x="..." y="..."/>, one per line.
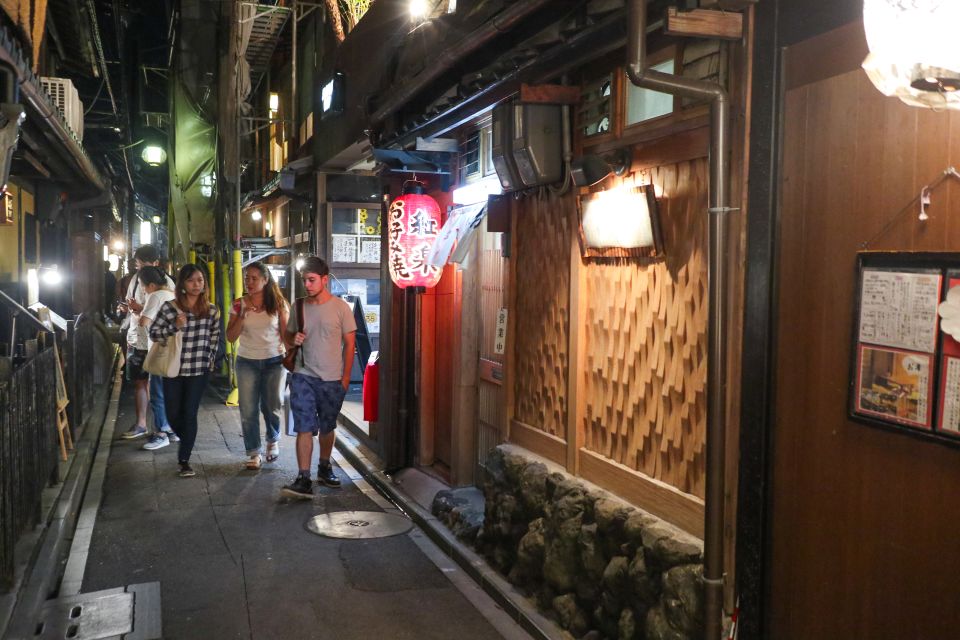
<point x="717" y="276"/>
<point x="450" y="56"/>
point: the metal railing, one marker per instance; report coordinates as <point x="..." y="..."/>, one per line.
<point x="88" y="362"/>
<point x="28" y="451"/>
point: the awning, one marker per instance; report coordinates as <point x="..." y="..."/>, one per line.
<point x="453" y="243"/>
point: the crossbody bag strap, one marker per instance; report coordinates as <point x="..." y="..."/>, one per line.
<point x="300" y="326"/>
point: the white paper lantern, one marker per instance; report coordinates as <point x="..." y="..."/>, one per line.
<point x="913" y="54"/>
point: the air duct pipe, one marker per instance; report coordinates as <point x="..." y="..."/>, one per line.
<point x="717" y="277"/>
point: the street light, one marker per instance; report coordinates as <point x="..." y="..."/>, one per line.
<point x="153" y="155"/>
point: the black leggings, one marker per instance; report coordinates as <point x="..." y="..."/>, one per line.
<point x="181" y="399"/>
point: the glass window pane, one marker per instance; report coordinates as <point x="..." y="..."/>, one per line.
<point x="369" y="221"/>
<point x="344" y="220"/>
<point x="643" y="104"/>
<point x="595" y="107"/>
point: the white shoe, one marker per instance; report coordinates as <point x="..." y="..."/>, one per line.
<point x="253" y="462"/>
<point x="156" y="441"/>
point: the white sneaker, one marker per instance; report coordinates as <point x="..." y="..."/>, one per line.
<point x="253" y="462"/>
<point x="157" y="441"/>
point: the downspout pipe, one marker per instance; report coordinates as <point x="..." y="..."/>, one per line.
<point x="447" y="58"/>
<point x="718" y="286"/>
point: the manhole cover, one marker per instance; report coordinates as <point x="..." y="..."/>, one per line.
<point x="358" y="524"/>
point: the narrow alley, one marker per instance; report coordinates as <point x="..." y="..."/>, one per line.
<point x="234" y="559"/>
<point x="479" y="319"/>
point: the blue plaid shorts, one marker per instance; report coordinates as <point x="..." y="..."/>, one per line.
<point x="315" y="403"/>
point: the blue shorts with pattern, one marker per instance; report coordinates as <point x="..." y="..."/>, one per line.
<point x="315" y="403"/>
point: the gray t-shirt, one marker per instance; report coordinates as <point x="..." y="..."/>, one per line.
<point x="321" y="355"/>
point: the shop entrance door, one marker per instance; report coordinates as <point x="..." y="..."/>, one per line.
<point x="491" y="401"/>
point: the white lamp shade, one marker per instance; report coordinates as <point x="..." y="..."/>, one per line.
<point x="617" y="218"/>
<point x="912" y="42"/>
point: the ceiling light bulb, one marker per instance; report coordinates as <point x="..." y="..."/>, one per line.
<point x="418" y="9"/>
<point x="256" y="215"/>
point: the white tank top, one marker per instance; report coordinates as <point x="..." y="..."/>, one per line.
<point x="260" y="338"/>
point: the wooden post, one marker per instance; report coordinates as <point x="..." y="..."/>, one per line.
<point x="576" y="343"/>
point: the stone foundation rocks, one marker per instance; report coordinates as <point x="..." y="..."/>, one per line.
<point x="600" y="567"/>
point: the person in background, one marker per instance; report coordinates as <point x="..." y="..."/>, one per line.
<point x="159" y="288"/>
<point x="319" y="384"/>
<point x="136" y="295"/>
<point x="258" y="320"/>
<point x="198" y="321"/>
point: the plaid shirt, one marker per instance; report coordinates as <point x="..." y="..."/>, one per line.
<point x="200" y="337"/>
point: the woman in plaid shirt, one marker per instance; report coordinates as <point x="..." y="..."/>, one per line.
<point x="192" y="315"/>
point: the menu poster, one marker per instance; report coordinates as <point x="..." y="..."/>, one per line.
<point x="949" y="392"/>
<point x="899" y="308"/>
<point x="370" y="251"/>
<point x="895" y="385"/>
<point x="344" y="248"/>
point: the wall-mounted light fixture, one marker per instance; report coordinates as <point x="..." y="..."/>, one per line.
<point x="155" y="219"/>
<point x="591" y="169"/>
<point x="50" y="275"/>
<point x="913" y="54"/>
<point x="256" y="216"/>
<point x="332" y="96"/>
<point x="620" y="223"/>
<point x="274" y="102"/>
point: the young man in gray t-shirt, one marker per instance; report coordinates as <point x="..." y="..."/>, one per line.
<point x="319" y="383"/>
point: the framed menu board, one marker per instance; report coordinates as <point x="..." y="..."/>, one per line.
<point x="905" y="369"/>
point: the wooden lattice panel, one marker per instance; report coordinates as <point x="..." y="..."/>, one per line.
<point x="646" y="344"/>
<point x="544" y="230"/>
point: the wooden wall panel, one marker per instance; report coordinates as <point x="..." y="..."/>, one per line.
<point x="646" y="344"/>
<point x="541" y="313"/>
<point x="863" y="528"/>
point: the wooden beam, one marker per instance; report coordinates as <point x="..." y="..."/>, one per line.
<point x="704" y="23"/>
<point x="549" y="94"/>
<point x="539" y="442"/>
<point x="659" y="498"/>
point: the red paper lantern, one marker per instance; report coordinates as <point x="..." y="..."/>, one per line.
<point x="413" y="227"/>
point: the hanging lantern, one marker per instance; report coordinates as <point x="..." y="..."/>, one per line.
<point x="913" y="55"/>
<point x="414" y="226"/>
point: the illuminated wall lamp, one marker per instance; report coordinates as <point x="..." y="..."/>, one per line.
<point x="913" y="54"/>
<point x="620" y="223"/>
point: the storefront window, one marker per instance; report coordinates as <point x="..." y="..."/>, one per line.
<point x="355" y="235"/>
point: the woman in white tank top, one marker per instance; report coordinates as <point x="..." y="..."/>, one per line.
<point x="256" y="319"/>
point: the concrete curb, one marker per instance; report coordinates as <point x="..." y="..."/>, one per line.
<point x="497" y="587"/>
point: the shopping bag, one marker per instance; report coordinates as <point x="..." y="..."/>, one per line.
<point x="163" y="359"/>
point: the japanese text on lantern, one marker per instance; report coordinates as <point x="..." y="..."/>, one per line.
<point x="413" y="227"/>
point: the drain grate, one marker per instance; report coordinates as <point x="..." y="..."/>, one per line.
<point x="358" y="524"/>
<point x="85" y="617"/>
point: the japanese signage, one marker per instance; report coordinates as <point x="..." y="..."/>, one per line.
<point x="906" y="368"/>
<point x="413" y="228"/>
<point x="500" y="338"/>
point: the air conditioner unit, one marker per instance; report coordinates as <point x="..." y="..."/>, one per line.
<point x="538" y="143"/>
<point x="66" y="98"/>
<point x="502" y="148"/>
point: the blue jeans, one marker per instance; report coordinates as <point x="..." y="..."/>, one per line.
<point x="181" y="397"/>
<point x="156" y="404"/>
<point x="259" y="385"/>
